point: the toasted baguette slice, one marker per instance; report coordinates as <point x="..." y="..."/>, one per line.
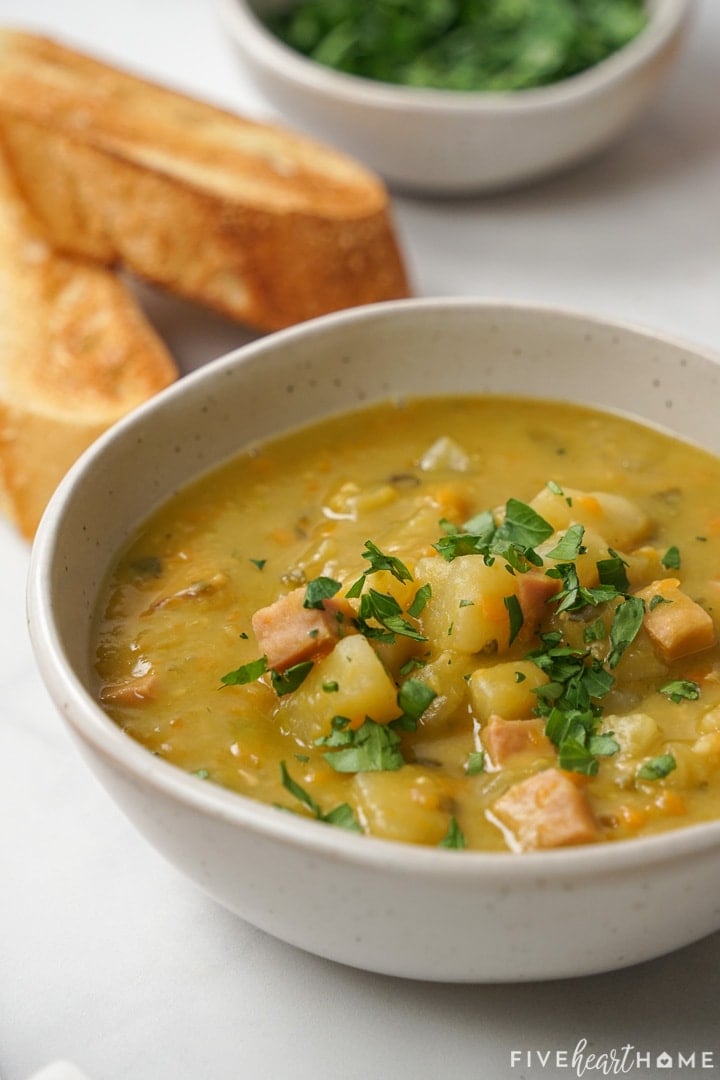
<point x="75" y="355"/>
<point x="262" y="224"/>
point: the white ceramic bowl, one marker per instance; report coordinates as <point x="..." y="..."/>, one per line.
<point x="373" y="903"/>
<point x="451" y="142"/>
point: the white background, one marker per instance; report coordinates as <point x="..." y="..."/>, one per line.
<point x="107" y="956"/>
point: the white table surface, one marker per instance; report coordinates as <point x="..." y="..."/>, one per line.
<point x="110" y="959"/>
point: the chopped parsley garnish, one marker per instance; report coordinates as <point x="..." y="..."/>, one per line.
<point x="594" y="632"/>
<point x="612" y="573"/>
<point x="485" y="45"/>
<point x="414" y="697"/>
<point x="573" y="596"/>
<point x="627" y="620"/>
<point x="569" y="703"/>
<point x="514" y="539"/>
<point x="378" y="561"/>
<point x="284" y="682"/>
<point x="454" y="838"/>
<point x="341" y="815"/>
<point x="420" y="599"/>
<point x="671" y="559"/>
<point x="246" y="673"/>
<point x="413" y="664"/>
<point x="320" y="589"/>
<point x="260" y="563"/>
<point x="512" y="605"/>
<point x="657" y="768"/>
<point x="372" y="747"/>
<point x="570" y="545"/>
<point x="522" y="526"/>
<point x="384" y="609"/>
<point x="380" y="616"/>
<point x="475" y="762"/>
<point x="681" y="690"/>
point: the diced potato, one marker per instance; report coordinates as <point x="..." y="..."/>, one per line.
<point x="350" y="681"/>
<point x="412" y="804"/>
<point x="691" y="769"/>
<point x="395" y="654"/>
<point x="620" y="521"/>
<point x="446" y="676"/>
<point x="641" y="661"/>
<point x="445" y="453"/>
<point x="643" y="565"/>
<point x="466" y="610"/>
<point x="710" y="721"/>
<point x="505" y="689"/>
<point x="586" y="564"/>
<point x="708" y="747"/>
<point x="637" y="733"/>
<point x="352" y="501"/>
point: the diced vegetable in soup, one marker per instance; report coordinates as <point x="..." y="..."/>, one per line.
<point x="483" y="623"/>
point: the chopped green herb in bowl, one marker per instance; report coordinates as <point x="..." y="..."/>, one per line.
<point x="458" y="97"/>
<point x="460" y="44"/>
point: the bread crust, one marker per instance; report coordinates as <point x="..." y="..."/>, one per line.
<point x="253" y="220"/>
<point x="76" y="354"/>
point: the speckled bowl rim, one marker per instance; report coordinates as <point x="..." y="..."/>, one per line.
<point x="666" y="19"/>
<point x="95" y="728"/>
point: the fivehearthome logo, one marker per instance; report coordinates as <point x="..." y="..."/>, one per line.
<point x="615" y="1061"/>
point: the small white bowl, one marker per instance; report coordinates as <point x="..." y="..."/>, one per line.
<point x="387" y="907"/>
<point x="453" y="142"/>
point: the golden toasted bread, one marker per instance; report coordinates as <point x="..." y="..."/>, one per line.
<point x="75" y="354"/>
<point x="258" y="222"/>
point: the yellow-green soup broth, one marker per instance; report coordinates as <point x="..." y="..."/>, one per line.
<point x="471" y="622"/>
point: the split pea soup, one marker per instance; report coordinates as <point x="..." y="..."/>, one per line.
<point x="483" y="623"/>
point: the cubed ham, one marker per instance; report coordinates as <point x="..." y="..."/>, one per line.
<point x="504" y="738"/>
<point x="288" y="633"/>
<point x="534" y="590"/>
<point x="547" y="810"/>
<point x="677" y="626"/>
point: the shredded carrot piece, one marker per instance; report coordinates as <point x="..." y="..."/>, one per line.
<point x="452" y="502"/>
<point x="632" y="817"/>
<point x="664" y="585"/>
<point x="579" y="779"/>
<point x="669" y="802"/>
<point x="282" y="536"/>
<point x="589" y="503"/>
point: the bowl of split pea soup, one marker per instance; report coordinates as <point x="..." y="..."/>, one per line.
<point x="398" y="632"/>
